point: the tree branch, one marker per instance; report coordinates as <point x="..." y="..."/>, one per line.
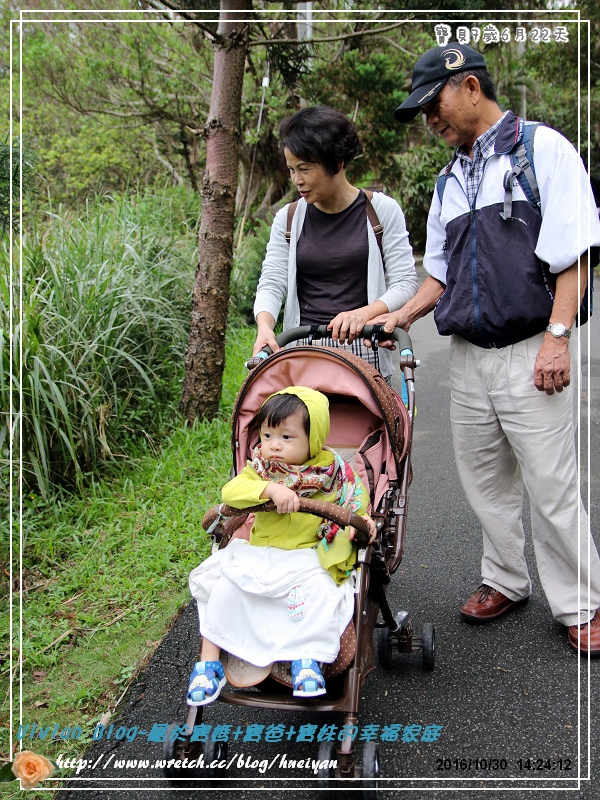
<point x="184" y="15"/>
<point x="339" y="38"/>
<point x="399" y="47"/>
<point x="166" y="163"/>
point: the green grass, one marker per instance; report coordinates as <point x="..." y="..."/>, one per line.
<point x="108" y="572"/>
<point x="103" y="332"/>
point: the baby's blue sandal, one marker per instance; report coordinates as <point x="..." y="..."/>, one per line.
<point x="307" y="679"/>
<point x="206" y="681"/>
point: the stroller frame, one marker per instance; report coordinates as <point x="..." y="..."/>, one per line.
<point x="376" y="562"/>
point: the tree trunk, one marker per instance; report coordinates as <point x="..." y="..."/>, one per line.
<point x="205" y="357"/>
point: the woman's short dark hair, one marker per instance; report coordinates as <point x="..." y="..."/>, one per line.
<point x="278" y="408"/>
<point x="320" y="135"/>
<point x="485" y="81"/>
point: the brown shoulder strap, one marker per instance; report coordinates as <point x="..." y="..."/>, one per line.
<point x="375" y="224"/>
<point x="290" y="217"/>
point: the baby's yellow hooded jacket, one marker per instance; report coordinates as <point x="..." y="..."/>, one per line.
<point x="298" y="530"/>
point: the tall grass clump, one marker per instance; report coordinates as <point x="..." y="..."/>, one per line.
<point x="100" y="326"/>
<point x="104" y="573"/>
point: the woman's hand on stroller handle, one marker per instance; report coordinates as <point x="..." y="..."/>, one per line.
<point x="347" y="326"/>
<point x="265" y="335"/>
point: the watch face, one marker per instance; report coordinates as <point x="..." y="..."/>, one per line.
<point x="558" y="329"/>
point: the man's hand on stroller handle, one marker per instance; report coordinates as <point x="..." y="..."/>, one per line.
<point x="395" y="319"/>
<point x="285" y="499"/>
<point x="418" y="306"/>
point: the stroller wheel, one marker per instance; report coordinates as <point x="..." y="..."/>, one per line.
<point x="370" y="769"/>
<point x="177" y="750"/>
<point x="384" y="647"/>
<point x="428" y="646"/>
<point x="326" y="773"/>
<point x="215" y="752"/>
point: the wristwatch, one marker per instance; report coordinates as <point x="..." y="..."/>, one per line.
<point x="557" y="329"/>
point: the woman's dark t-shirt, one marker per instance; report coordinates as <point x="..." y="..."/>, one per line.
<point x="331" y="262"/>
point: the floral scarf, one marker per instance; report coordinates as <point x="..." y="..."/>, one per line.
<point x="307" y="479"/>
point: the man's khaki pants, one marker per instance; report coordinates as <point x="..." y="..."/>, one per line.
<point x="508" y="434"/>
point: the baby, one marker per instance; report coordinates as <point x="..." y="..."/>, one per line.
<point x="285" y="594"/>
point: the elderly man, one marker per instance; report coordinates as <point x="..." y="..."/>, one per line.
<point x="506" y="282"/>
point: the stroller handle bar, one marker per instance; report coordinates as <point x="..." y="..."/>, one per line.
<point x="341" y="515"/>
<point x="373" y="332"/>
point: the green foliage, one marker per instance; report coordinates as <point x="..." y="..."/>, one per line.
<point x="20" y="169"/>
<point x="290" y="61"/>
<point x="103" y="332"/>
<point x="115" y="104"/>
<point x="86" y="157"/>
<point x="364" y="84"/>
<point x="416" y="171"/>
<point x="247" y="264"/>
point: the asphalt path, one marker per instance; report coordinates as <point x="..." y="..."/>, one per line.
<point x="510" y="697"/>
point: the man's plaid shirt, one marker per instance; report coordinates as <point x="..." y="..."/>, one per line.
<point x="473" y="167"/>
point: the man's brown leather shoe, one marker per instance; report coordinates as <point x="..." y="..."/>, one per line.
<point x="487" y="604"/>
<point x="586" y="637"/>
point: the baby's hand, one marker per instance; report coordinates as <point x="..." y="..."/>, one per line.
<point x="372" y="529"/>
<point x="285" y="499"/>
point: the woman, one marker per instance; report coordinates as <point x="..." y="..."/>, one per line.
<point x="332" y="271"/>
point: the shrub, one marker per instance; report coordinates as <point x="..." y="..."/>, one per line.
<point x="99" y="340"/>
<point x="247" y="264"/>
<point x="21" y="167"/>
<point x="419" y="167"/>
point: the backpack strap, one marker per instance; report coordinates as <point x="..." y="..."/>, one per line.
<point x="375" y="224"/>
<point x="440" y="184"/>
<point x="290" y="216"/>
<point x="521" y="158"/>
<point x="371" y="214"/>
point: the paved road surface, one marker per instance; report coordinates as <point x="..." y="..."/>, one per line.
<point x="509" y="691"/>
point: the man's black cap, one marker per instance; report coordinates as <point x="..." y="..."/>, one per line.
<point x="432" y="71"/>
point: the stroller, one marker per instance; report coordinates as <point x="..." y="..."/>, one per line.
<point x="371" y="428"/>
